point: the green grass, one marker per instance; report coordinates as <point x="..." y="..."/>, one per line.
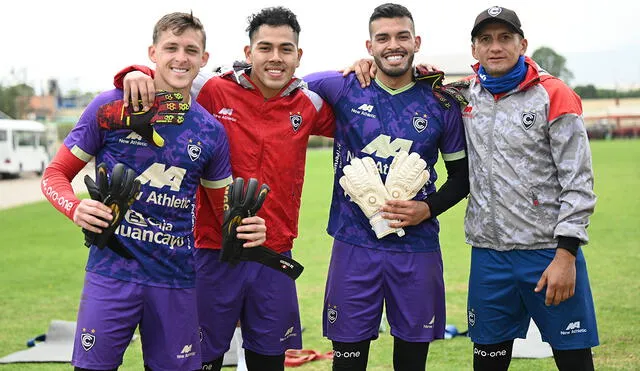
<point x="43" y="261"/>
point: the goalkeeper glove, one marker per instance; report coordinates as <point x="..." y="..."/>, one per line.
<point x="118" y="194"/>
<point x="167" y="108"/>
<point x="239" y="204"/>
<point x="361" y="181"/>
<point x="407" y="175"/>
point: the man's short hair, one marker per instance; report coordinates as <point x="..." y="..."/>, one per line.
<point x="390" y="10"/>
<point x="273" y="16"/>
<point x="177" y="23"/>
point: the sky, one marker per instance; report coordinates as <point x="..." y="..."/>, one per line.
<point x="83" y="43"/>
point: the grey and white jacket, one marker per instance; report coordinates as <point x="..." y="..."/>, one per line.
<point x="529" y="164"/>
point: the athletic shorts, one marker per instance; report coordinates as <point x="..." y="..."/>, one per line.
<point x="361" y="280"/>
<point x="111" y="309"/>
<point x="502" y="301"/>
<point x="262" y="299"/>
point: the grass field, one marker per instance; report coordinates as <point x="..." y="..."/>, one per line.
<point x="43" y="260"/>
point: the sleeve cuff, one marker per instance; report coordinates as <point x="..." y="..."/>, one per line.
<point x="570" y="244"/>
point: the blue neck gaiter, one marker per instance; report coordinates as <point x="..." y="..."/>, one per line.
<point x="508" y="81"/>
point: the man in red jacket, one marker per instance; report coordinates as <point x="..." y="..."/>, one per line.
<point x="268" y="115"/>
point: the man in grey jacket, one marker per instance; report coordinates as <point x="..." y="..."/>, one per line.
<point x="531" y="196"/>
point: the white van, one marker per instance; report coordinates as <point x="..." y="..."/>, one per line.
<point x="22" y="147"/>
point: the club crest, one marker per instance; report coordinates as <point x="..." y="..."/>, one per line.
<point x="87" y="340"/>
<point x="472" y="318"/>
<point x="296" y="120"/>
<point x="332" y="315"/>
<point x="194" y="151"/>
<point x="528" y="119"/>
<point x="420" y="123"/>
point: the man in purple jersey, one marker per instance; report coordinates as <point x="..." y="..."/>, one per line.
<point x="395" y="114"/>
<point x="154" y="290"/>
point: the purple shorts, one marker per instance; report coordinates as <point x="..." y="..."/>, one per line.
<point x="262" y="299"/>
<point x="111" y="309"/>
<point x="361" y="280"/>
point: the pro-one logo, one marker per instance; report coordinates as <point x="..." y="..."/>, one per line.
<point x="384" y="147"/>
<point x="226" y="111"/>
<point x="158" y="176"/>
<point x="493" y="354"/>
<point x="338" y="354"/>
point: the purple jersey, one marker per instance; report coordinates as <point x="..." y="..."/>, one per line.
<point x="158" y="228"/>
<point x="379" y="122"/>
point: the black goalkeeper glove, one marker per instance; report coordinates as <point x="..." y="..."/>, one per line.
<point x="167" y="108"/>
<point x="118" y="193"/>
<point x="239" y="204"/>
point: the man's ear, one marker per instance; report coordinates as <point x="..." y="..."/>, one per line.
<point x="152" y="53"/>
<point x="523" y="46"/>
<point x="299" y="57"/>
<point x="418" y="42"/>
<point x="247" y="53"/>
<point x="473" y="51"/>
<point x="368" y="45"/>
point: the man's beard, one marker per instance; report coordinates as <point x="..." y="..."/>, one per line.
<point x="395" y="71"/>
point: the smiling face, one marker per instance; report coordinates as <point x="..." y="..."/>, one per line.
<point x="178" y="59"/>
<point x="497" y="47"/>
<point x="393" y="44"/>
<point x="274" y="56"/>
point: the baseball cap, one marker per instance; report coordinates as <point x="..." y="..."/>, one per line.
<point x="500" y="14"/>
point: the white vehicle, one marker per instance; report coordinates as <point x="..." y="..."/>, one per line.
<point x="22" y="147"/>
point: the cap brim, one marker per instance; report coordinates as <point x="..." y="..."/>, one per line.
<point x="477" y="28"/>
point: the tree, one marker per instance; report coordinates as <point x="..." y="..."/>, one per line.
<point x="553" y="62"/>
<point x="9" y="98"/>
<point x="586" y="91"/>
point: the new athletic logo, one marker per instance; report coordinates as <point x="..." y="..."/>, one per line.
<point x="186" y="352"/>
<point x="364" y="110"/>
<point x="158" y="176"/>
<point x="384" y="147"/>
<point x="430" y="324"/>
<point x="573" y="328"/>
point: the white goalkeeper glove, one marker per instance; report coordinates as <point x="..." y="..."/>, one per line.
<point x="361" y="182"/>
<point x="407" y="175"/>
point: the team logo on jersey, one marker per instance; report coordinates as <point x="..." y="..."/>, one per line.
<point x="472" y="318"/>
<point x="528" y="119"/>
<point x="296" y="120"/>
<point x="332" y="315"/>
<point x="194" y="150"/>
<point x="420" y="122"/>
<point x="88" y="339"/>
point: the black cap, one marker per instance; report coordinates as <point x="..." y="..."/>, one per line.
<point x="496" y="13"/>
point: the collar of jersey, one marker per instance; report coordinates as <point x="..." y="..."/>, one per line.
<point x="394" y="91"/>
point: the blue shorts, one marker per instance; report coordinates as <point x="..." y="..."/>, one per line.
<point x="111" y="309"/>
<point x="264" y="300"/>
<point x="361" y="280"/>
<point x="502" y="301"/>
